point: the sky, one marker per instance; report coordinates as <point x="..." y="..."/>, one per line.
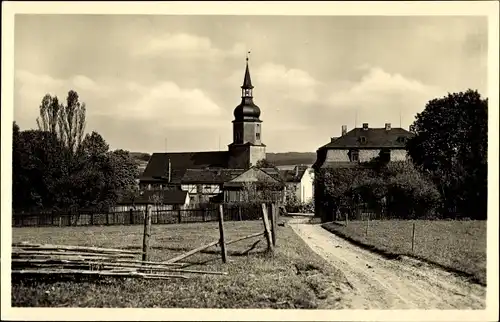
<point x="155" y="83"/>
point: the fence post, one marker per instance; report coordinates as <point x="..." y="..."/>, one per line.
<point x="367" y="224"/>
<point x="239" y="212"/>
<point x="266" y="228"/>
<point x="131" y="216"/>
<point x="147" y="234"/>
<point x="413" y="238"/>
<point x="273" y="223"/>
<point x="179" y="216"/>
<point x="346" y="218"/>
<point x="222" y="241"/>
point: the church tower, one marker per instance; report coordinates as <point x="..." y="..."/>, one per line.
<point x="247" y="147"/>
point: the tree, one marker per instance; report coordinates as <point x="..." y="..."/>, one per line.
<point x="66" y="121"/>
<point x="48" y="120"/>
<point x="37" y="165"/>
<point x="57" y="166"/>
<point x="72" y="122"/>
<point x="124" y="171"/>
<point x="264" y="163"/>
<point x="450" y="143"/>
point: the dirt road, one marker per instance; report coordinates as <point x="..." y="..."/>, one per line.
<point x="379" y="283"/>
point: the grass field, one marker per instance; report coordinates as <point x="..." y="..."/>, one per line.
<point x="294" y="278"/>
<point x="457" y="245"/>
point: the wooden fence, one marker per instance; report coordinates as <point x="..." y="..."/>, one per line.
<point x="158" y="216"/>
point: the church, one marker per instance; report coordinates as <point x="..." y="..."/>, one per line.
<point x="210" y="176"/>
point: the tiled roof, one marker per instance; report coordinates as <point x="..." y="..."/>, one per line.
<point x="294" y="175"/>
<point x="167" y="197"/>
<point x="274" y="173"/>
<point x="207" y="176"/>
<point x="180" y="161"/>
<point x="373" y="138"/>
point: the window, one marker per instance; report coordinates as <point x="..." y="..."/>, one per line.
<point x="257" y="136"/>
<point x="354" y="155"/>
<point x="385" y="155"/>
<point x="362" y="139"/>
<point x="237" y="137"/>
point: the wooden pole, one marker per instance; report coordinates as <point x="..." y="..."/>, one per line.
<point x="266" y="228"/>
<point x="191" y="252"/>
<point x="24" y="245"/>
<point x="147" y="234"/>
<point x="179" y="216"/>
<point x="221" y="231"/>
<point x="239" y="212"/>
<point x="245" y="237"/>
<point x="273" y="224"/>
<point x="367" y="224"/>
<point x="413" y="238"/>
<point x="346" y="218"/>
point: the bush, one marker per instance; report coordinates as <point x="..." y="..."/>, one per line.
<point x="397" y="188"/>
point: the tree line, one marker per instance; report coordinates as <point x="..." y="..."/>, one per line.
<point x="445" y="176"/>
<point x="60" y="166"/>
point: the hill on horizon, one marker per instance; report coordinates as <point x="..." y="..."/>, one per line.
<point x="282" y="158"/>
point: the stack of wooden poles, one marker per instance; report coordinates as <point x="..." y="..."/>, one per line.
<point x="47" y="259"/>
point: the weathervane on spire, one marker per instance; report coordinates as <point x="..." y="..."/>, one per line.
<point x="248" y="54"/>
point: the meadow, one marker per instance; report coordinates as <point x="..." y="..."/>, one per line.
<point x="294" y="277"/>
<point x="459" y="246"/>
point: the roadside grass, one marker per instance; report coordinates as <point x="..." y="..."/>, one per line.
<point x="459" y="246"/>
<point x="295" y="277"/>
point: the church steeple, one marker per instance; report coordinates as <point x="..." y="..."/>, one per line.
<point x="247" y="147"/>
<point x="247" y="110"/>
<point x="247" y="87"/>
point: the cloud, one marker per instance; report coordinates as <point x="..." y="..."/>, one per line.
<point x="381" y="96"/>
<point x="168" y="102"/>
<point x="277" y="82"/>
<point x="163" y="104"/>
<point x="186" y="46"/>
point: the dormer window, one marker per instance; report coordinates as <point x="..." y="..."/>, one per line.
<point x="402" y="139"/>
<point x="362" y="139"/>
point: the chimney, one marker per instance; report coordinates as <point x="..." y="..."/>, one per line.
<point x="344" y="130"/>
<point x="296" y="171"/>
<point x="387" y="126"/>
<point x="169" y="170"/>
<point x="365" y="126"/>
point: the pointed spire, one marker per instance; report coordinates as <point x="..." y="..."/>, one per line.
<point x="247" y="82"/>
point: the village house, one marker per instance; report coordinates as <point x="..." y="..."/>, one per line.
<point x="158" y="199"/>
<point x="205" y="175"/>
<point x="299" y="183"/>
<point x="362" y="145"/>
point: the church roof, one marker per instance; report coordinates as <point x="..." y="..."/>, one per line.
<point x="247" y="81"/>
<point x="181" y="161"/>
<point x="207" y="176"/>
<point x="370" y="138"/>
